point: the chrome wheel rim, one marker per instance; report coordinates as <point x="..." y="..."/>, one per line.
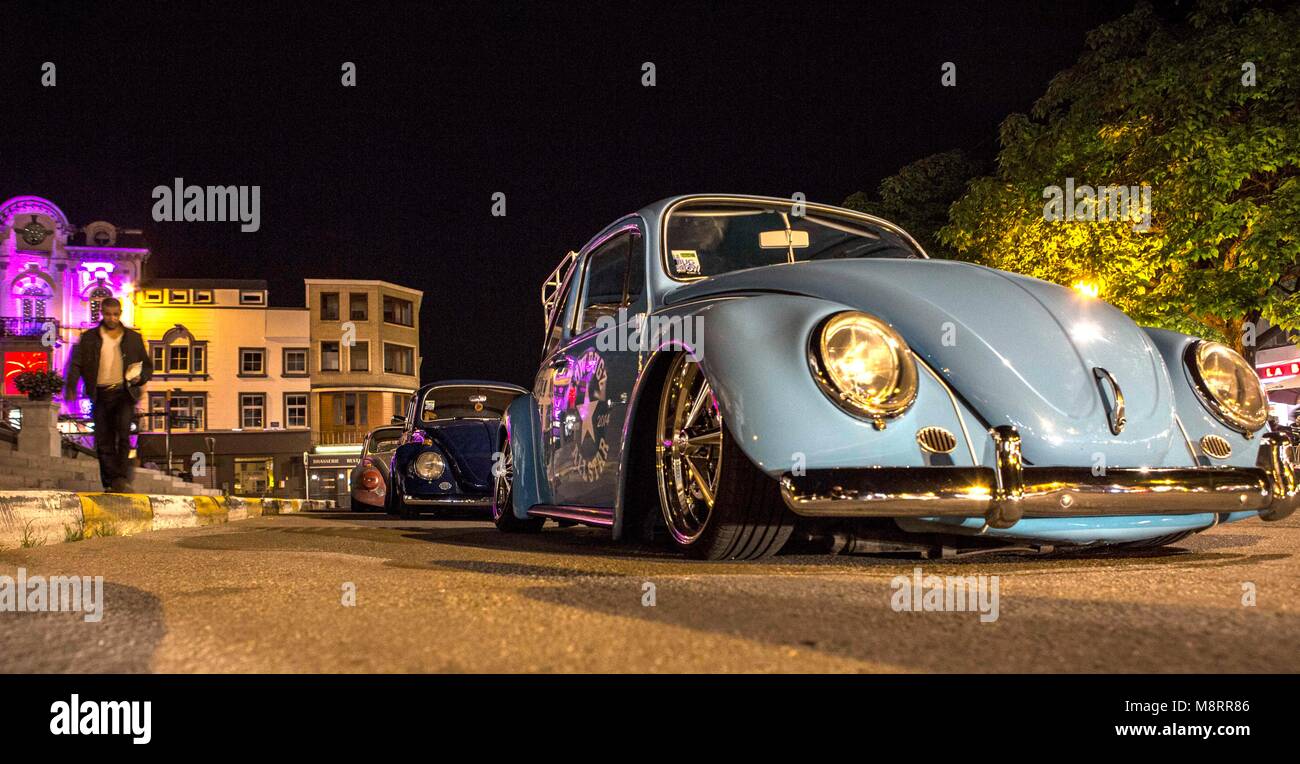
<point x="688" y="451"/>
<point x="503" y="483"/>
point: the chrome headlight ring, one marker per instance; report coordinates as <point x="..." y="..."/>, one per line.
<point x="1247" y="411"/>
<point x="863" y="366"/>
<point x="428" y="465"/>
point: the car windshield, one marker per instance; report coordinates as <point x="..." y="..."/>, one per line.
<point x="384" y="441"/>
<point x="707" y="239"/>
<point x="464" y="402"/>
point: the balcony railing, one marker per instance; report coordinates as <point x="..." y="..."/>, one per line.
<point x="18" y="326"/>
<point x="340" y="437"/>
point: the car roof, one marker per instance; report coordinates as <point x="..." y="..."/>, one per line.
<point x="652" y="213"/>
<point x="471" y="383"/>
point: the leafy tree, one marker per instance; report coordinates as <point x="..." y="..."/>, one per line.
<point x="1204" y="111"/>
<point x="918" y="196"/>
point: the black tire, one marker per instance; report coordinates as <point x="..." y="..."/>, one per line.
<point x="747" y="519"/>
<point x="394" y="505"/>
<point x="503" y="490"/>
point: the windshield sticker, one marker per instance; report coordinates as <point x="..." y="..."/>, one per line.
<point x="686" y="262"/>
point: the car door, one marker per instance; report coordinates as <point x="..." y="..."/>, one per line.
<point x="551" y="386"/>
<point x="598" y="367"/>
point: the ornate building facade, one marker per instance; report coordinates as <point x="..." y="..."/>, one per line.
<point x="56" y="275"/>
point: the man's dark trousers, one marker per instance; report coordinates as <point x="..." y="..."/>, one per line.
<point x="113" y="410"/>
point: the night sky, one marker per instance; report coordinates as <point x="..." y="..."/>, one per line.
<point x="393" y="179"/>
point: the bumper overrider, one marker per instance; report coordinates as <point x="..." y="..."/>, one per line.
<point x="1004" y="494"/>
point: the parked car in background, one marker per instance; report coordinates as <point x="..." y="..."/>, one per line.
<point x="450" y="442"/>
<point x="369" y="479"/>
<point x="729" y="367"/>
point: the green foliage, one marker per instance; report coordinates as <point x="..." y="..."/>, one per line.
<point x="29" y="539"/>
<point x="1165" y="105"/>
<point x="75" y="532"/>
<point x="918" y="196"/>
<point x="38" y="385"/>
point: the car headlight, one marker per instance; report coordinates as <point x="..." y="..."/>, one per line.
<point x="863" y="365"/>
<point x="1228" y="386"/>
<point x="428" y="465"/>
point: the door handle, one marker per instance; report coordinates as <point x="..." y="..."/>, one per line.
<point x="1117" y="417"/>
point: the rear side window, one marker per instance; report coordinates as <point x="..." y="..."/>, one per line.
<point x="608" y="282"/>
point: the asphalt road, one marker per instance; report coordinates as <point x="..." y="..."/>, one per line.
<point x="266" y="595"/>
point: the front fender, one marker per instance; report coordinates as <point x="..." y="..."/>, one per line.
<point x="1195" y="418"/>
<point x="529" y="488"/>
<point x="755" y="354"/>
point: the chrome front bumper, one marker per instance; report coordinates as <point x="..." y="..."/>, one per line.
<point x="448" y="501"/>
<point x="1011" y="491"/>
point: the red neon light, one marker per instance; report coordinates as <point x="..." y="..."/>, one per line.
<point x="17" y="362"/>
<point x="1278" y="370"/>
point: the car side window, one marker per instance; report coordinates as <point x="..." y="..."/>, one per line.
<point x="605" y="281"/>
<point x="555" y="335"/>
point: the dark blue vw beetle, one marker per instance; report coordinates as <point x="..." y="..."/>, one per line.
<point x="450" y="442"/>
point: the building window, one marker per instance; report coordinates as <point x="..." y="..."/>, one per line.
<point x="96" y="298"/>
<point x="295" y="410"/>
<point x="398" y="311"/>
<point x="202" y="296"/>
<point x="179" y="297"/>
<point x="359" y="356"/>
<point x="178" y="357"/>
<point x="33" y="294"/>
<point x="400" y="402"/>
<point x="294" y="362"/>
<point x="189" y="411"/>
<point x="399" y="359"/>
<point x="358" y="306"/>
<point x="179" y="353"/>
<point x="252" y="362"/>
<point x="152" y="297"/>
<point x="252" y="298"/>
<point x="329" y="356"/>
<point x="350" y="409"/>
<point x="254" y="475"/>
<point x="329" y="306"/>
<point x="252" y="411"/>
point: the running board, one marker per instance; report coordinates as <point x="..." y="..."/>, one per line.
<point x="601" y="518"/>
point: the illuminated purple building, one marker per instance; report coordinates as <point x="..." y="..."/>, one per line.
<point x="55" y="277"/>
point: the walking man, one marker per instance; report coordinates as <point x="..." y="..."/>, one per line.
<point x="113" y="365"/>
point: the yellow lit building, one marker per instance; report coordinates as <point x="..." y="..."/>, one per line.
<point x="229" y="399"/>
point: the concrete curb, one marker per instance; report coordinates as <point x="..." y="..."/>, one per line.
<point x="38" y="518"/>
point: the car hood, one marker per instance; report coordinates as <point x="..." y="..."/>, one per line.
<point x="470" y="444"/>
<point x="1019" y="350"/>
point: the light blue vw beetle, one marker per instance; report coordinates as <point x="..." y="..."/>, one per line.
<point x="736" y="368"/>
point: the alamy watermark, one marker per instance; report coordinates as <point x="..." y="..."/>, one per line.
<point x="209" y="204"/>
<point x="53" y="594"/>
<point x="946" y="594"/>
<point x="641" y="333"/>
<point x="75" y="716"/>
<point x="1086" y="204"/>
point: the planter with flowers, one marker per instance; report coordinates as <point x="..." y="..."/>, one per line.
<point x="38" y="385"/>
<point x="39" y="435"/>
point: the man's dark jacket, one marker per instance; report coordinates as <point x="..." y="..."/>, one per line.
<point x="83" y="364"/>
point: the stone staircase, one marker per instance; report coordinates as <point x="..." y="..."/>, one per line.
<point x="81" y="473"/>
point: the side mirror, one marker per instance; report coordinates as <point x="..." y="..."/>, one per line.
<point x="397" y="420"/>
